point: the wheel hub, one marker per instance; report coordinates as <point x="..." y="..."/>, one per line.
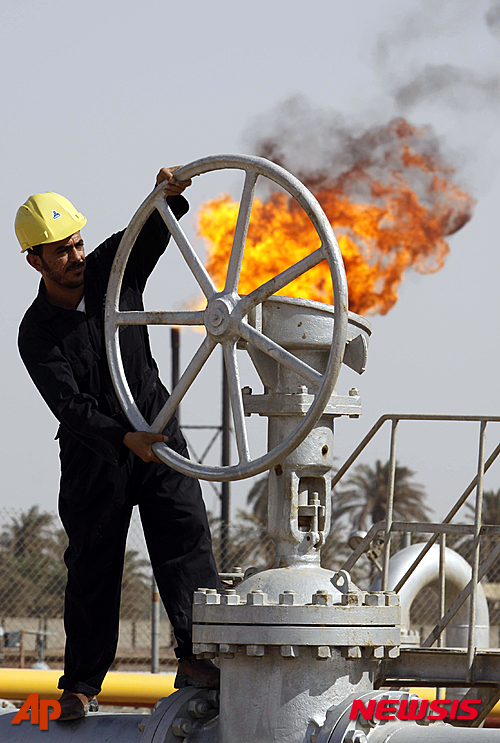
<point x="220" y="320"/>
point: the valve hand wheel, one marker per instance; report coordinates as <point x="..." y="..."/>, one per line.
<point x="225" y="317"/>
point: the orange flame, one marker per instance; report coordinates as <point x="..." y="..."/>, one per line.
<point x="389" y="213"/>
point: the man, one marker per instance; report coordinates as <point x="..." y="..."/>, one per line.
<point x="106" y="467"/>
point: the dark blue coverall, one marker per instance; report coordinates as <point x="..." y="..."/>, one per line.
<point x="101" y="479"/>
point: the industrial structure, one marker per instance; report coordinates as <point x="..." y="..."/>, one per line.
<point x="298" y="644"/>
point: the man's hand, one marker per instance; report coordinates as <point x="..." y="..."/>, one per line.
<point x="174" y="187"/>
<point x="140" y="443"/>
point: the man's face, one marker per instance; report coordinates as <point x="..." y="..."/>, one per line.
<point x="62" y="262"/>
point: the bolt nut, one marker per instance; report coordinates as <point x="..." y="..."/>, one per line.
<point x="255" y="651"/>
<point x="352" y="653"/>
<point x="375" y="598"/>
<point x="198" y="707"/>
<point x="353" y="392"/>
<point x="181" y="727"/>
<point x="289" y="651"/>
<point x="351" y="599"/>
<point x="212" y="596"/>
<point x="378" y="652"/>
<point x="392" y="599"/>
<point x="230" y="599"/>
<point x="355" y="736"/>
<point x="302" y="389"/>
<point x="287" y="598"/>
<point x="394" y="652"/>
<point x="228" y="650"/>
<point x="245" y="391"/>
<point x="323" y="652"/>
<point x="213" y="697"/>
<point x="257" y="598"/>
<point x="322" y="598"/>
<point x="200" y="596"/>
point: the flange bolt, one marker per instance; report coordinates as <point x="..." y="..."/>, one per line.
<point x="181" y="727"/>
<point x="198" y="707"/>
<point x="355" y="736"/>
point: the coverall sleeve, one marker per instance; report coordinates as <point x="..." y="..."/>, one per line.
<point x="148" y="248"/>
<point x="77" y="411"/>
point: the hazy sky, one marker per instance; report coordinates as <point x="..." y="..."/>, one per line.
<point x="97" y="96"/>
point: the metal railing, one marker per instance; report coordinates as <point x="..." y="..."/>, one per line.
<point x="438" y="530"/>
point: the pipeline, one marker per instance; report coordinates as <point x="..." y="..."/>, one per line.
<point x="120" y="689"/>
<point x="458" y="573"/>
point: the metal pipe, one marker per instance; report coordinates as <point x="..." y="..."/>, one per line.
<point x="225" y="461"/>
<point x="412" y="733"/>
<point x="468" y="490"/>
<point x="401" y="417"/>
<point x="458" y="575"/>
<point x="390" y="504"/>
<point x="121" y="689"/>
<point x="155" y="627"/>
<point x="464" y="595"/>
<point x="441" y="691"/>
<point x="478" y="514"/>
<point x="442" y="584"/>
<point x="392" y="417"/>
<point x="95" y="728"/>
<point x="175" y="342"/>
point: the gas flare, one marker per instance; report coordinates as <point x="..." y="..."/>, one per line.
<point x="390" y="207"/>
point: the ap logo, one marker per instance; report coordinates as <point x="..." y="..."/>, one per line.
<point x="37" y="711"/>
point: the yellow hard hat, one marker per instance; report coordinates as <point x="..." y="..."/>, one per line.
<point x="46" y="218"/>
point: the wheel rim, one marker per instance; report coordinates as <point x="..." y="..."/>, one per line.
<point x="225" y="317"/>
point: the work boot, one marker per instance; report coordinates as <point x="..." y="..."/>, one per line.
<point x="200" y="673"/>
<point x="74" y="705"/>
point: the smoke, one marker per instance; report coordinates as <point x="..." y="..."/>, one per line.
<point x="458" y="87"/>
<point x="433" y="20"/>
<point x="492" y="19"/>
<point x="328" y="153"/>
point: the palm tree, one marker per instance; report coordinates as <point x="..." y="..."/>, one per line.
<point x="490" y="515"/>
<point x="27" y="534"/>
<point x="32" y="575"/>
<point x="363" y="501"/>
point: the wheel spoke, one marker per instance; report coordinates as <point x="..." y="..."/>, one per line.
<point x="279" y="354"/>
<point x="184" y="383"/>
<point x="281" y="280"/>
<point x="196" y="266"/>
<point x="240" y="233"/>
<point x="158" y="317"/>
<point x="233" y="380"/>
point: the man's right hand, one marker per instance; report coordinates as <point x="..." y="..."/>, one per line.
<point x="140" y="443"/>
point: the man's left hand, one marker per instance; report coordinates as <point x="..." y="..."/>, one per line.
<point x="174" y="187"/>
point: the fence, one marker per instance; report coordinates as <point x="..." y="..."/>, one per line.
<point x="33" y="577"/>
<point x="32" y="572"/>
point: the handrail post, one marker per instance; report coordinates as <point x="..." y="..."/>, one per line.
<point x="390" y="503"/>
<point x="478" y="515"/>
<point x="155" y="627"/>
<point x="441" y="691"/>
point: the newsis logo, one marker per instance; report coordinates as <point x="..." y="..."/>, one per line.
<point x="415" y="709"/>
<point x="36" y="710"/>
